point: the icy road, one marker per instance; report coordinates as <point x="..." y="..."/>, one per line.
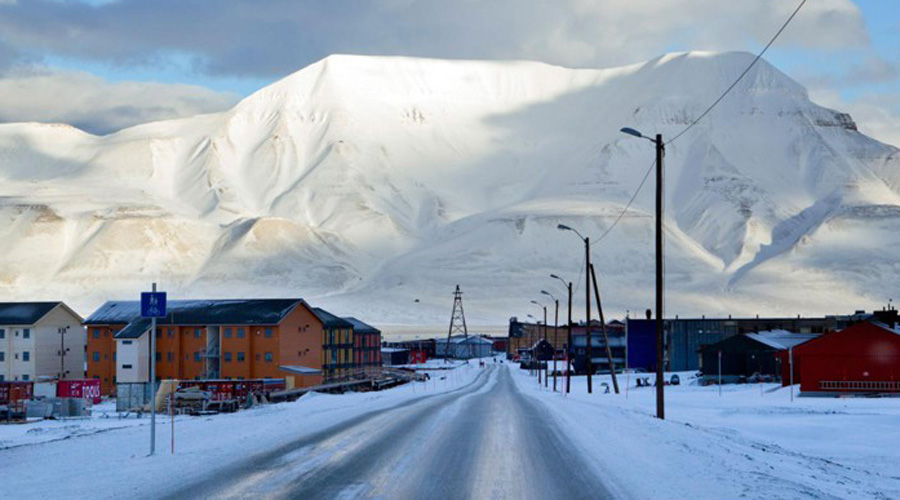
<point x="483" y="440"/>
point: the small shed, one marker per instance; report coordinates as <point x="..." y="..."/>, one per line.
<point x="747" y="354"/>
<point x="394" y="356"/>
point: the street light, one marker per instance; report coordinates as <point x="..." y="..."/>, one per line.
<point x="568" y="285"/>
<point x="587" y="291"/>
<point x="533" y="353"/>
<point x="660" y="336"/>
<point x="555" y="334"/>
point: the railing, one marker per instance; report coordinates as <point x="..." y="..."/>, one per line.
<point x="859" y="385"/>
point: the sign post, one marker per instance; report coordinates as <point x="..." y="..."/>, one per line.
<point x="153" y="305"/>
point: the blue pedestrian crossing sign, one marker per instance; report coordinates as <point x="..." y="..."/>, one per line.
<point x="153" y="304"/>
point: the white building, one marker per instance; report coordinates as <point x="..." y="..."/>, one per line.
<point x="40" y="340"/>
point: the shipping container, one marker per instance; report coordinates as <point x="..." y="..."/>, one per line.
<point x="15" y="391"/>
<point x="83" y="389"/>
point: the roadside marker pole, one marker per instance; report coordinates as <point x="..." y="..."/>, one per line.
<point x="720" y="373"/>
<point x="791" y="363"/>
<point x="153" y="381"/>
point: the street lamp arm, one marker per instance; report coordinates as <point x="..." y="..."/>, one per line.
<point x="563" y="227"/>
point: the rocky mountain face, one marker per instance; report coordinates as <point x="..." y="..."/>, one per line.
<point x="374" y="185"/>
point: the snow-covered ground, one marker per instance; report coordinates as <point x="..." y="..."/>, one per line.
<point x="106" y="457"/>
<point x="750" y="442"/>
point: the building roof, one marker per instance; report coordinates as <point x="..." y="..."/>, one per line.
<point x="25" y="313"/>
<point x="330" y="320"/>
<point x="393" y="349"/>
<point x="359" y="326"/>
<point x="302" y="370"/>
<point x="199" y="312"/>
<point x="781" y="339"/>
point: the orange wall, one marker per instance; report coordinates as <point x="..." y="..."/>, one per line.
<point x="301" y="344"/>
<point x="105" y="345"/>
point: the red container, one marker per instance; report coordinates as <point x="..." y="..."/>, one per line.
<point x="84" y="388"/>
<point x="223" y="390"/>
<point x="13" y="391"/>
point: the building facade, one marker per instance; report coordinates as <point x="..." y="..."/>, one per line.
<point x="219" y="339"/>
<point x="685" y="337"/>
<point x="366" y="345"/>
<point x="40" y="340"/>
<point x="862" y="358"/>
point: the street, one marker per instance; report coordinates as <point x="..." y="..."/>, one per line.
<point x="483" y="440"/>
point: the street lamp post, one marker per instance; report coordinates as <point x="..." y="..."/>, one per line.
<point x="531" y="344"/>
<point x="587" y="324"/>
<point x="533" y="353"/>
<point x="660" y="334"/>
<point x="568" y="332"/>
<point x="555" y="333"/>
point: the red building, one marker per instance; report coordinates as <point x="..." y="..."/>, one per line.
<point x="862" y="358"/>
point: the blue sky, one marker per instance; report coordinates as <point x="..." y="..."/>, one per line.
<point x="107" y="64"/>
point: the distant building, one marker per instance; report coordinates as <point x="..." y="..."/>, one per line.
<point x="615" y="331"/>
<point x="393" y="356"/>
<point x="40" y="340"/>
<point x="461" y="347"/>
<point x="747" y="354"/>
<point x="366" y="344"/>
<point x="685" y="337"/>
<point x="220" y="339"/>
<point x="862" y="358"/>
<point x="522" y="336"/>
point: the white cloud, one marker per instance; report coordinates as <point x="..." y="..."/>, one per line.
<point x="243" y="37"/>
<point x="96" y="105"/>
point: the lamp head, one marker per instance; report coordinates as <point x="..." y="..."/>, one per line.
<point x="631" y="131"/>
<point x="563" y="227"/>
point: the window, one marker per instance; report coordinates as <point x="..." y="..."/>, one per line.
<point x="2" y="333"/>
<point x="26" y="333"/>
<point x="257" y="356"/>
<point x="106" y="333"/>
<point x="170" y="332"/>
<point x="268" y="357"/>
<point x="114" y="356"/>
<point x="158" y="332"/>
<point x="2" y="378"/>
<point x="228" y="357"/>
<point x="126" y="342"/>
<point x="240" y="357"/>
<point x="170" y="356"/>
<point x="197" y="333"/>
<point x="268" y="333"/>
<point x="24" y="377"/>
<point x="240" y="333"/>
<point x="197" y="356"/>
<point x="227" y="333"/>
<point x="2" y="356"/>
<point x="26" y="356"/>
<point x="96" y="356"/>
<point x="158" y="356"/>
<point x="126" y="367"/>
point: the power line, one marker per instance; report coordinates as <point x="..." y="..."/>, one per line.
<point x="706" y="112"/>
<point x="742" y="75"/>
<point x="628" y="205"/>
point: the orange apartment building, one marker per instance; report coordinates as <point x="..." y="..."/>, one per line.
<point x="220" y="339"/>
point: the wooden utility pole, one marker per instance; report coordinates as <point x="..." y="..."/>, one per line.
<point x="660" y="331"/>
<point x="612" y="366"/>
<point x="587" y="295"/>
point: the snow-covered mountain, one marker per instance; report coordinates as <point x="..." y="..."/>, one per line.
<point x="366" y="183"/>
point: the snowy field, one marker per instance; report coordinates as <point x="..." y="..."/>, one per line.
<point x="750" y="442"/>
<point x="106" y="457"/>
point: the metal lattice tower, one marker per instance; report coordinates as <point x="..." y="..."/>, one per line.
<point x="458" y="324"/>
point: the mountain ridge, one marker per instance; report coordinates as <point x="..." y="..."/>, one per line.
<point x="361" y="177"/>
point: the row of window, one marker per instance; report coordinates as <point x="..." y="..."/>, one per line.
<point x="198" y="332"/>
<point x="26" y="333"/>
<point x="26" y="356"/>
<point x="25" y="377"/>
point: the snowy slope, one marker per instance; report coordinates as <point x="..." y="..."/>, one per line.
<point x="365" y="183"/>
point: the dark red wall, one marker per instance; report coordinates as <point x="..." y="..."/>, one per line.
<point x="864" y="352"/>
